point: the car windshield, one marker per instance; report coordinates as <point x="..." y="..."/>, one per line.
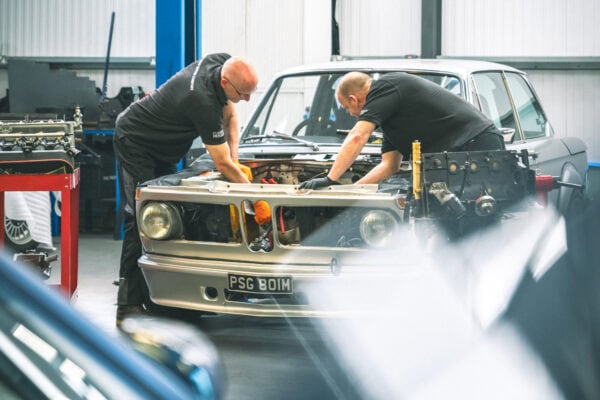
<point x="305" y="107"/>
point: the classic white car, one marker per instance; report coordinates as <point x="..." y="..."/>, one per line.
<point x="253" y="249"/>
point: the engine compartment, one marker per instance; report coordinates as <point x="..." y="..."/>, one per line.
<point x="460" y="191"/>
<point x="292" y="172"/>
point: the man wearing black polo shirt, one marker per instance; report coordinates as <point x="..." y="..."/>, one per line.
<point x="407" y="108"/>
<point x="153" y="134"/>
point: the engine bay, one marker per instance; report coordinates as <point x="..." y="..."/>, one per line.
<point x="460" y="191"/>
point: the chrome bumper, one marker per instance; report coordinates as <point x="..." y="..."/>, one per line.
<point x="203" y="285"/>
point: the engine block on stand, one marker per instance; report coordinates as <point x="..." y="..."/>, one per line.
<point x="38" y="146"/>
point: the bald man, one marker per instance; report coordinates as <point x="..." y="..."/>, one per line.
<point x="153" y="134"/>
<point x="407" y="108"/>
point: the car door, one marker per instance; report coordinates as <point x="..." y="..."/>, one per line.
<point x="509" y="101"/>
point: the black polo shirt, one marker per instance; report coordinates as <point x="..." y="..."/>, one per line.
<point x="164" y="124"/>
<point x="409" y="108"/>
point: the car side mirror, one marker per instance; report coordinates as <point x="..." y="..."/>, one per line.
<point x="508" y="134"/>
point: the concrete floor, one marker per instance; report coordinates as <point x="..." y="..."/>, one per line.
<point x="98" y="268"/>
<point x="266" y="358"/>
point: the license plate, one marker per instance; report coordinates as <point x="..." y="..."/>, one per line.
<point x="261" y="284"/>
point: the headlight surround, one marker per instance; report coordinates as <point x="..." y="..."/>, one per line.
<point x="160" y="221"/>
<point x="377" y="227"/>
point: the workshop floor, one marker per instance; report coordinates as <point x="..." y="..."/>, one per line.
<point x="98" y="268"/>
<point x="266" y="358"/>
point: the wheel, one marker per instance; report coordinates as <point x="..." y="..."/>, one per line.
<point x="577" y="203"/>
<point x="571" y="200"/>
<point x="17" y="235"/>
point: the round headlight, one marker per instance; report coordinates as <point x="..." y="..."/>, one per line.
<point x="377" y="227"/>
<point x="160" y="221"/>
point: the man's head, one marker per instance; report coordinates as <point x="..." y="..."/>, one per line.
<point x="238" y="79"/>
<point x="352" y="91"/>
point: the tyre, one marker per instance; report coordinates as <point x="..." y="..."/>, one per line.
<point x="577" y="203"/>
<point x="571" y="200"/>
<point x="17" y="235"/>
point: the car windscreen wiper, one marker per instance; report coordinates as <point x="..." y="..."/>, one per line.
<point x="281" y="135"/>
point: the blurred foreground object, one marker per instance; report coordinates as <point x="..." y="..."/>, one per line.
<point x="48" y="350"/>
<point x="513" y="312"/>
<point x="559" y="314"/>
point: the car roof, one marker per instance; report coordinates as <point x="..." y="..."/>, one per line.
<point x="462" y="67"/>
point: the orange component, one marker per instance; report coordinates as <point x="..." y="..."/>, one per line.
<point x="262" y="212"/>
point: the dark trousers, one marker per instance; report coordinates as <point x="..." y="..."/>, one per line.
<point x="133" y="289"/>
<point x="489" y="139"/>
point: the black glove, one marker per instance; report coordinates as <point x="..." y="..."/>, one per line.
<point x="317" y="183"/>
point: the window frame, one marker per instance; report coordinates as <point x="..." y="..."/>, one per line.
<point x="519" y="133"/>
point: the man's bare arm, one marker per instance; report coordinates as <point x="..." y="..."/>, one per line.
<point x="389" y="165"/>
<point x="351" y="148"/>
<point x="221" y="156"/>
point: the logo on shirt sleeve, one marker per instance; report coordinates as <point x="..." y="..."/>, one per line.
<point x="218" y="134"/>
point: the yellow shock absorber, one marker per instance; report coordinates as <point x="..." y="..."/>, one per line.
<point x="416" y="168"/>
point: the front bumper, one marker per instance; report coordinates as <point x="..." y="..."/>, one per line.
<point x="203" y="285"/>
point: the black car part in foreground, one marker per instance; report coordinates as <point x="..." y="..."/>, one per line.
<point x="47" y="350"/>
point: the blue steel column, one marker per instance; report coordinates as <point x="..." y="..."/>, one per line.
<point x="175" y="37"/>
<point x="198" y="28"/>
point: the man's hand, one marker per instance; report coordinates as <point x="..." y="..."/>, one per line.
<point x="317" y="183"/>
<point x="245" y="170"/>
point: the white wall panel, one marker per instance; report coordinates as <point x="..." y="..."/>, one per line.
<point x="379" y="27"/>
<point x="224" y="26"/>
<point x="572" y="101"/>
<point x="64" y="28"/>
<point x="520" y="28"/>
<point x="317" y="31"/>
<point x="273" y="34"/>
